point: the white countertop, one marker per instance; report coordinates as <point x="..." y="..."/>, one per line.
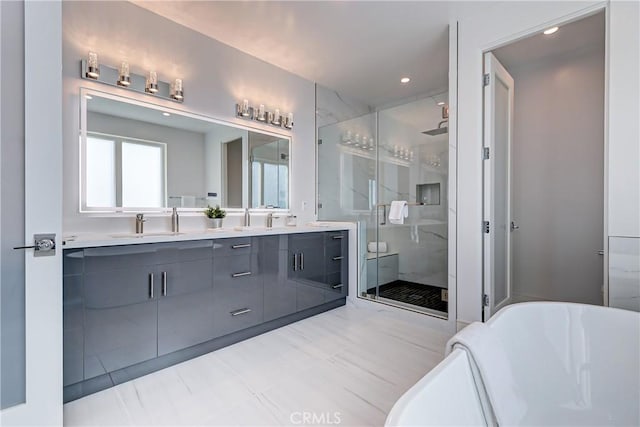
<point x="86" y="240"/>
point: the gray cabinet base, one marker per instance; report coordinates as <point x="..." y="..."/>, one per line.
<point x="102" y="382"/>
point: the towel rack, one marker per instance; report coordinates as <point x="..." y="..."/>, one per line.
<point x="384" y="210"/>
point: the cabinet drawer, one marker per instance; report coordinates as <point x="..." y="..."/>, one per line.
<point x="335" y="258"/>
<point x="113" y="258"/>
<point x="300" y="241"/>
<point x="238" y="304"/>
<point x="235" y="246"/>
<point x="226" y="268"/>
<point x="336" y="237"/>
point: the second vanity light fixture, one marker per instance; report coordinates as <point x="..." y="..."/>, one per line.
<point x="121" y="77"/>
<point x="274" y="118"/>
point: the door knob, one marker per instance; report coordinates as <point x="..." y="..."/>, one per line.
<point x="514" y="226"/>
<point x="43" y="245"/>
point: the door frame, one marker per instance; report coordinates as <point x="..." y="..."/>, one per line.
<point x="43" y="187"/>
<point x="566" y="19"/>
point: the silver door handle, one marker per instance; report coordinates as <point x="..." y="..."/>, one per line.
<point x="384" y="215"/>
<point x="244" y="245"/>
<point x="514" y="226"/>
<point x="301" y="261"/>
<point x="338" y="286"/>
<point x="295" y="262"/>
<point x="164" y="283"/>
<point x="337" y="258"/>
<point x="43" y="245"/>
<point x="337" y="237"/>
<point x="600" y="252"/>
<point x="241" y="311"/>
<point x="246" y="273"/>
<point x="150" y="285"/>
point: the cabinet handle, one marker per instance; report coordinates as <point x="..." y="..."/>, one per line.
<point x="301" y="261"/>
<point x="338" y="237"/>
<point x="337" y="258"/>
<point x="164" y="283"/>
<point x="338" y="286"/>
<point x="295" y="262"/>
<point x="246" y="273"/>
<point x="239" y="312"/>
<point x="150" y="285"/>
<point x="244" y="245"/>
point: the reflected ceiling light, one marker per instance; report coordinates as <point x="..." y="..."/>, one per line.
<point x="405" y="80"/>
<point x="166" y="114"/>
<point x="93" y="68"/>
<point x="88" y="96"/>
<point x="441" y="103"/>
<point x="551" y="30"/>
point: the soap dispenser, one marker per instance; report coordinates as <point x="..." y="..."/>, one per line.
<point x="175" y="224"/>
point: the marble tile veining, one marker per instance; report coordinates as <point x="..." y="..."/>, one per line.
<point x="344" y="367"/>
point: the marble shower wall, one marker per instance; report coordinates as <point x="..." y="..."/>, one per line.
<point x="624" y="272"/>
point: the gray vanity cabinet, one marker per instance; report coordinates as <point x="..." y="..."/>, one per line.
<point x="120" y="309"/>
<point x="237" y="285"/>
<point x="73" y="318"/>
<point x="185" y="298"/>
<point x="279" y="293"/>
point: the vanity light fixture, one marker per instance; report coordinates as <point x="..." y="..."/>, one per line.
<point x="152" y="82"/>
<point x="176" y="90"/>
<point x="550" y="31"/>
<point x="244" y="110"/>
<point x="93" y="68"/>
<point x="121" y="77"/>
<point x="124" y="78"/>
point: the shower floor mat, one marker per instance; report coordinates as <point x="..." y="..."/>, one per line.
<point x="426" y="296"/>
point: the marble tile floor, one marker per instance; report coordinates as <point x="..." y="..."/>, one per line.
<point x="344" y="367"/>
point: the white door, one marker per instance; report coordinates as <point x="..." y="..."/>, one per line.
<point x="498" y="132"/>
<point x="37" y="387"/>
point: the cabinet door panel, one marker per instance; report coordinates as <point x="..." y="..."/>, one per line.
<point x="185" y="310"/>
<point x="311" y="266"/>
<point x="279" y="292"/>
<point x="110" y="258"/>
<point x="308" y="296"/>
<point x="119" y="337"/>
<point x="73" y="327"/>
<point x="120" y="287"/>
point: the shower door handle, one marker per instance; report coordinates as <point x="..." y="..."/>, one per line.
<point x="514" y="226"/>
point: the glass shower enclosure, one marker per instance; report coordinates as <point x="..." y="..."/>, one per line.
<point x="364" y="164"/>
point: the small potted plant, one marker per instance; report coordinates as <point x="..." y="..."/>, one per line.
<point x="215" y="216"/>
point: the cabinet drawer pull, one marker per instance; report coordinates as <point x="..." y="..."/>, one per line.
<point x="337" y="258"/>
<point x="164" y="283"/>
<point x="338" y="237"/>
<point x="246" y="273"/>
<point x="295" y="262"/>
<point x="240" y="311"/>
<point x="244" y="245"/>
<point x="301" y="261"/>
<point x="150" y="285"/>
<point x="338" y="286"/>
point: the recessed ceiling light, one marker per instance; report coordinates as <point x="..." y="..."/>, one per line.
<point x="166" y="114"/>
<point x="551" y="30"/>
<point x="88" y="96"/>
<point x="441" y="103"/>
<point x="405" y="80"/>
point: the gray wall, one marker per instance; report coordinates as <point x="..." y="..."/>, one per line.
<point x="558" y="177"/>
<point x="12" y="302"/>
<point x="215" y="75"/>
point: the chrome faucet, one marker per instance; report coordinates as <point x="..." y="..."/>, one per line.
<point x="270" y="218"/>
<point x="140" y="223"/>
<point x="247" y="218"/>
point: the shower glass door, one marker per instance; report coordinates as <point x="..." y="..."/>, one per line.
<point x="366" y="162"/>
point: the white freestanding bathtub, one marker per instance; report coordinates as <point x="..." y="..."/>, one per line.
<point x="567" y="364"/>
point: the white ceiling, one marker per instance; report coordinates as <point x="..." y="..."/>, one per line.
<point x="585" y="33"/>
<point x="358" y="48"/>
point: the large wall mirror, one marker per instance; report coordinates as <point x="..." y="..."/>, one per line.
<point x="140" y="156"/>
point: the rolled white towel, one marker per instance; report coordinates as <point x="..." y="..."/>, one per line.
<point x="398" y="211"/>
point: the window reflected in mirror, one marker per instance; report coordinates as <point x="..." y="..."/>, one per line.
<point x="269" y="171"/>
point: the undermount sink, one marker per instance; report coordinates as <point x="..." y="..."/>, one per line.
<point x="141" y="235"/>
